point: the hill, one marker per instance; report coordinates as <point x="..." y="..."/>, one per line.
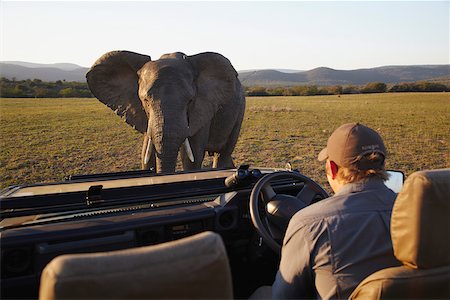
<point x="62" y="66"/>
<point x="44" y="72"/>
<point x="270" y="78"/>
<point x="327" y="76"/>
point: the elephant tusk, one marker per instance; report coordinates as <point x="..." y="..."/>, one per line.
<point x="147" y="151"/>
<point x="187" y="146"/>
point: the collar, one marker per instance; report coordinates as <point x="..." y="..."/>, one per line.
<point x="373" y="183"/>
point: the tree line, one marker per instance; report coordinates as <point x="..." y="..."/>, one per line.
<point x="37" y="88"/>
<point x="372" y="87"/>
<point x="62" y="89"/>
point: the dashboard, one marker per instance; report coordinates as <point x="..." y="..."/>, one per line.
<point x="108" y="212"/>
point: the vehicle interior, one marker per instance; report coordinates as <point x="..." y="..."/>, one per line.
<point x="194" y="267"/>
<point x="210" y="233"/>
<point x="116" y="211"/>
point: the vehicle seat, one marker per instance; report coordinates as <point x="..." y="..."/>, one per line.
<point x="192" y="267"/>
<point x="420" y="230"/>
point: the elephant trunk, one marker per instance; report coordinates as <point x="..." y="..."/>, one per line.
<point x="166" y="165"/>
<point x="166" y="156"/>
<point x="168" y="130"/>
<point x="167" y="143"/>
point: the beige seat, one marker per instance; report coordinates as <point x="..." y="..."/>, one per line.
<point x="193" y="267"/>
<point x="420" y="230"/>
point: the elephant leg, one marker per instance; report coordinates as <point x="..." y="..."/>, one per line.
<point x="215" y="160"/>
<point x="152" y="159"/>
<point x="198" y="144"/>
<point x="223" y="159"/>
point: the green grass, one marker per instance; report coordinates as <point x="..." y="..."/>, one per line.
<point x="45" y="140"/>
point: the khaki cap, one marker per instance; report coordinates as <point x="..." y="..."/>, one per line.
<point x="349" y="143"/>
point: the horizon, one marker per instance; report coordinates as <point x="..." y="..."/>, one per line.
<point x="282" y="70"/>
<point x="298" y="35"/>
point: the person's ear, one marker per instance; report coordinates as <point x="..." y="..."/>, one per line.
<point x="333" y="167"/>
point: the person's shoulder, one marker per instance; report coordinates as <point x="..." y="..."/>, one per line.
<point x="310" y="217"/>
<point x="319" y="210"/>
<point x="353" y="199"/>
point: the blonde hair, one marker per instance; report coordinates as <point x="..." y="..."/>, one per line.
<point x="353" y="174"/>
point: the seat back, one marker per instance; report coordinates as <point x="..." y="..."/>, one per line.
<point x="420" y="228"/>
<point x="193" y="267"/>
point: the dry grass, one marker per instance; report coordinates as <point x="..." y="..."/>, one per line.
<point x="415" y="128"/>
<point x="47" y="139"/>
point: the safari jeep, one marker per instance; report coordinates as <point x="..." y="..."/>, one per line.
<point x="204" y="234"/>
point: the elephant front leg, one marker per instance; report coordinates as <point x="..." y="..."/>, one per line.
<point x="148" y="159"/>
<point x="198" y="154"/>
<point x="198" y="144"/>
<point x="223" y="158"/>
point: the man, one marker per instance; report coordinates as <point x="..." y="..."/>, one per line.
<point x="331" y="246"/>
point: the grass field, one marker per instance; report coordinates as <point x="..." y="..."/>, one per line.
<point x="45" y="140"/>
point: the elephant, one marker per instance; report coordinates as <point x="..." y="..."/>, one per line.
<point x="182" y="104"/>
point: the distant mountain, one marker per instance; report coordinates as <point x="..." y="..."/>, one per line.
<point x="280" y="70"/>
<point x="62" y="66"/>
<point x="275" y="77"/>
<point x="44" y="72"/>
<point x="327" y="76"/>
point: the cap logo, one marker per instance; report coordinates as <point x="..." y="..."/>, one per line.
<point x="370" y="147"/>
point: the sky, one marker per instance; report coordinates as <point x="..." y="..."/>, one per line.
<point x="299" y="35"/>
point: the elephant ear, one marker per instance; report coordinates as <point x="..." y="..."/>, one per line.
<point x="113" y="80"/>
<point x="216" y="84"/>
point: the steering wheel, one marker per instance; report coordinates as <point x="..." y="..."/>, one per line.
<point x="272" y="217"/>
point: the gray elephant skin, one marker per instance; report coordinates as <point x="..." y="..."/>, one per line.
<point x="187" y="104"/>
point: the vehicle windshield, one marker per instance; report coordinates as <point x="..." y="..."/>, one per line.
<point x="68" y="187"/>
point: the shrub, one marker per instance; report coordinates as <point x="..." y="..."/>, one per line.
<point x="374" y="87"/>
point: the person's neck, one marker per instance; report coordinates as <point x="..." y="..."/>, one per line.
<point x="335" y="184"/>
<point x="337" y="187"/>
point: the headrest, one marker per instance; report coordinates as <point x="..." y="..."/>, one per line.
<point x="193" y="267"/>
<point x="420" y="223"/>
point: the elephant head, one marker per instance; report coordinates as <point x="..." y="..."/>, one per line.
<point x="170" y="100"/>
